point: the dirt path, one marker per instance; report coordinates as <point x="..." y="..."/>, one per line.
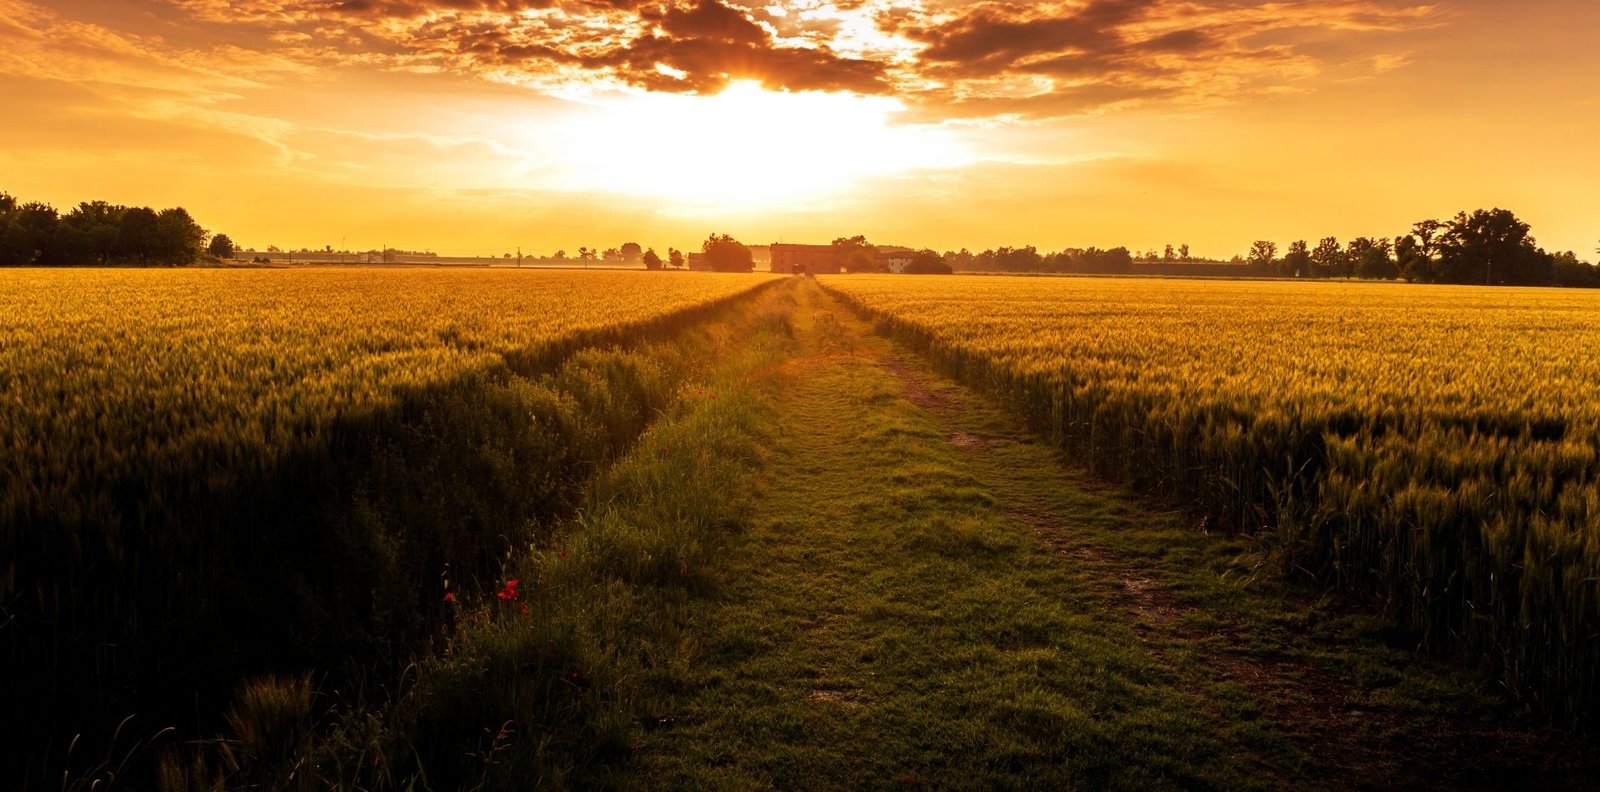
<point x="929" y="596"/>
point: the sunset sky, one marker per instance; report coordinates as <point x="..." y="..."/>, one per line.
<point x="476" y="126"/>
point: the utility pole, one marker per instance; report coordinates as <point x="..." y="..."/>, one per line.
<point x="519" y="257"/>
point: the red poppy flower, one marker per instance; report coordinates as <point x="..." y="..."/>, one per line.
<point x="449" y="596"/>
<point x="508" y="592"/>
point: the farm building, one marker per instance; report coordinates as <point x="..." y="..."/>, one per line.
<point x="806" y="259"/>
<point x="895" y="259"/>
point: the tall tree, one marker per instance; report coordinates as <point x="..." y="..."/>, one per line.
<point x="1569" y="271"/>
<point x="139" y="235"/>
<point x="631" y="252"/>
<point x="1370" y="258"/>
<point x="1263" y="254"/>
<point x="89" y="233"/>
<point x="675" y="258"/>
<point x="180" y="238"/>
<point x="1327" y="261"/>
<point x="856" y="254"/>
<point x="1297" y="262"/>
<point x="1427" y="233"/>
<point x="1491" y="246"/>
<point x="29" y="234"/>
<point x="221" y="247"/>
<point x="725" y="254"/>
<point x="652" y="261"/>
<point x="1412" y="263"/>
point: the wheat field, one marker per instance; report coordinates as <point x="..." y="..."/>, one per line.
<point x="1430" y="449"/>
<point x="203" y="472"/>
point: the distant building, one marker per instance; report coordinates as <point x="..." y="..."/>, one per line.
<point x="807" y="259"/>
<point x="895" y="259"/>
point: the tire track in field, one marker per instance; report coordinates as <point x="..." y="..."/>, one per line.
<point x="1355" y="745"/>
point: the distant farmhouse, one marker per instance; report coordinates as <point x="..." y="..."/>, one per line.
<point x="829" y="259"/>
<point x="894" y="259"/>
<point x="807" y="259"/>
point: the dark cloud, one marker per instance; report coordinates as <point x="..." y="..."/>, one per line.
<point x="1102" y="53"/>
<point x="963" y="58"/>
<point x="710" y="21"/>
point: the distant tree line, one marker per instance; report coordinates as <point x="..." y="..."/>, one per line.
<point x="97" y="232"/>
<point x="1114" y="261"/>
<point x="1488" y="246"/>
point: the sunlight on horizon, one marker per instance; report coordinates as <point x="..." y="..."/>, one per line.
<point x="743" y="148"/>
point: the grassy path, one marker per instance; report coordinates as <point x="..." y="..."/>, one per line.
<point x="928" y="597"/>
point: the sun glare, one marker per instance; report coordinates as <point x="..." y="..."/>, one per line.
<point x="745" y="147"/>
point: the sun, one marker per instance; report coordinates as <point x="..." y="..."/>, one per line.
<point x="743" y="148"/>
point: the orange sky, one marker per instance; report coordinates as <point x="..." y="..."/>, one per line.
<point x="475" y="126"/>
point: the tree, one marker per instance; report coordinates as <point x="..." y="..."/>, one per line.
<point x="1327" y="260"/>
<point x="88" y="234"/>
<point x="725" y="254"/>
<point x="1183" y="252"/>
<point x="1263" y="254"/>
<point x="1297" y="262"/>
<point x="1169" y="254"/>
<point x="1410" y="261"/>
<point x="561" y="255"/>
<point x="1491" y="246"/>
<point x="927" y="262"/>
<point x="1427" y="232"/>
<point x="631" y="252"/>
<point x="1115" y="260"/>
<point x="139" y="235"/>
<point x="1569" y="271"/>
<point x="1010" y="259"/>
<point x="1370" y="258"/>
<point x="221" y="247"/>
<point x="675" y="258"/>
<point x="28" y="233"/>
<point x="962" y="259"/>
<point x="612" y="254"/>
<point x="586" y="254"/>
<point x="856" y="254"/>
<point x="179" y="238"/>
<point x="651" y="260"/>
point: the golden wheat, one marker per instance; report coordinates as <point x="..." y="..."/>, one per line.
<point x="104" y="365"/>
<point x="1432" y="448"/>
<point x="209" y="472"/>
